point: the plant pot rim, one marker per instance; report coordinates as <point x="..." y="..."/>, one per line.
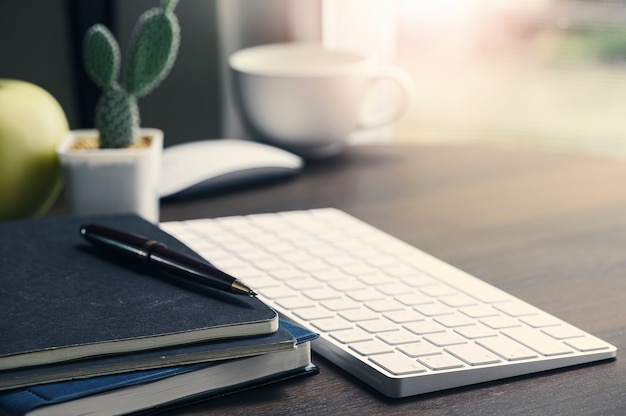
<point x="64" y="148"/>
<point x="73" y="135"/>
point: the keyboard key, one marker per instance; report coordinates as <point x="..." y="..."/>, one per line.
<point x="418" y="279"/>
<point x="439" y="362"/>
<point x="313" y="265"/>
<point x="394" y="289"/>
<point x="587" y="343"/>
<point x="442" y="339"/>
<point x="516" y="308"/>
<point x="418" y="349"/>
<point x="404" y="316"/>
<point x="335" y="258"/>
<point x="348" y="336"/>
<point x="438" y="290"/>
<point x="358" y="315"/>
<point x="475" y="331"/>
<point x="296" y="302"/>
<point x="454" y="320"/>
<point x="303" y="285"/>
<point x="384" y="305"/>
<point x="331" y="324"/>
<point x="488" y="294"/>
<point x="346" y="285"/>
<point x="500" y="322"/>
<point x="322" y="293"/>
<point x="563" y="331"/>
<point x="424" y="327"/>
<point x="371" y="347"/>
<point x="506" y="348"/>
<point x="400" y="270"/>
<point x="358" y="269"/>
<point x="433" y="309"/>
<point x="537" y="341"/>
<point x="398" y="364"/>
<point x="340" y="304"/>
<point x="540" y="320"/>
<point x="330" y="275"/>
<point x="262" y="282"/>
<point x="315" y="312"/>
<point x="398" y="337"/>
<point x="288" y="253"/>
<point x="473" y="354"/>
<point x="377" y="325"/>
<point x="479" y="311"/>
<point x="273" y="264"/>
<point x="374" y="279"/>
<point x="458" y="300"/>
<point x="413" y="299"/>
<point x="278" y="292"/>
<point x="286" y="273"/>
<point x="374" y="258"/>
<point x="365" y="295"/>
<point x="251" y="253"/>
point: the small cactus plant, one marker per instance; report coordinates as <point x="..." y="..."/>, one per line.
<point x="151" y="55"/>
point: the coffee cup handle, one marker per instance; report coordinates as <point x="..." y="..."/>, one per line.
<point x="405" y="85"/>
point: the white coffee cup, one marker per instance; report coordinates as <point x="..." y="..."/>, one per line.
<point x="308" y="99"/>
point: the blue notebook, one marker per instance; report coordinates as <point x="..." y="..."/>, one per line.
<point x="148" y="389"/>
<point x="145" y="360"/>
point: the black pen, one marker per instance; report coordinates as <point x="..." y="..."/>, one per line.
<point x="163" y="258"/>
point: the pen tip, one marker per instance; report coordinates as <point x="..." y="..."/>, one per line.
<point x="239" y="287"/>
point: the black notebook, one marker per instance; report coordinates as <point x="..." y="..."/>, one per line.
<point x="60" y="299"/>
<point x="165" y="388"/>
<point x="217" y="350"/>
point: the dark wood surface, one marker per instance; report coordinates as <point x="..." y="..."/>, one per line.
<point x="549" y="228"/>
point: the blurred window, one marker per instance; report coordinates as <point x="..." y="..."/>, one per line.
<point x="548" y="72"/>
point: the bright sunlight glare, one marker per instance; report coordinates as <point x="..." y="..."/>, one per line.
<point x="436" y="11"/>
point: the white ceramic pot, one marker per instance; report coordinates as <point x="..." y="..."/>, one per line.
<point x="111" y="181"/>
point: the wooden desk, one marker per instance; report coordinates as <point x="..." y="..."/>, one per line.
<point x="548" y="228"/>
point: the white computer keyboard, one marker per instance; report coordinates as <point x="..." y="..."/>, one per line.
<point x="397" y="318"/>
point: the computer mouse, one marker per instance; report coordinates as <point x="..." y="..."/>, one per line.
<point x="212" y="166"/>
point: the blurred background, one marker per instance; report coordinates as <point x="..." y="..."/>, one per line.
<point x="548" y="73"/>
<point x="537" y="72"/>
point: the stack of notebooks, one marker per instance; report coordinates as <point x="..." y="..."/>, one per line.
<point x="81" y="334"/>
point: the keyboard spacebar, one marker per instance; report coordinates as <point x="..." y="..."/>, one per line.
<point x="537" y="341"/>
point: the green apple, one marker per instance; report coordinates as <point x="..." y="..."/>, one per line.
<point x="32" y="123"/>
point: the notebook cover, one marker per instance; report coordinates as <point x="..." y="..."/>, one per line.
<point x="59" y="295"/>
<point x="21" y="401"/>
